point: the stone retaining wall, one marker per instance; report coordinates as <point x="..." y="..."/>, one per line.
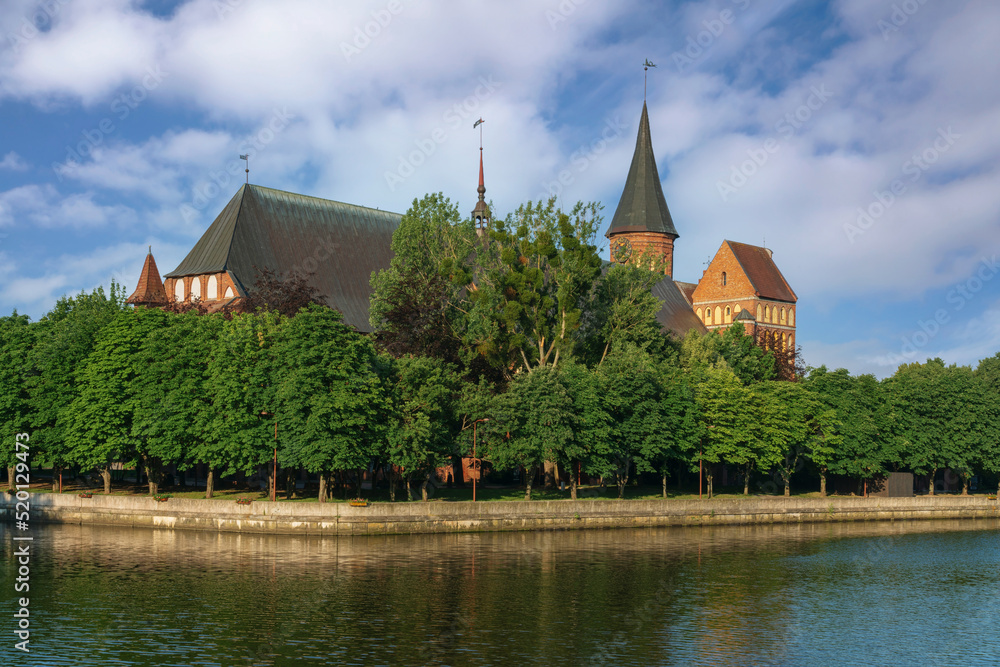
<point x="450" y="517"/>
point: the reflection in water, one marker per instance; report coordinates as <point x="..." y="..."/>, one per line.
<point x="788" y="594"/>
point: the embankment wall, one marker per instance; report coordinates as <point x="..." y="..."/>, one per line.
<point x="452" y="517"/>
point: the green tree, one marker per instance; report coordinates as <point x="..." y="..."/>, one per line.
<point x="542" y="267"/>
<point x="238" y="430"/>
<point x="424" y="424"/>
<point x="622" y="311"/>
<point x="988" y="450"/>
<point x="171" y="400"/>
<point x="329" y="398"/>
<point x="64" y="338"/>
<point x="100" y="419"/>
<point x="17" y="336"/>
<point x="532" y="422"/>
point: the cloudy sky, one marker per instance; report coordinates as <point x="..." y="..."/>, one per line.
<point x="857" y="138"/>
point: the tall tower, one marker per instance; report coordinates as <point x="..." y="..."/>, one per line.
<point x="642" y="220"/>
<point x="481" y="213"/>
<point x="149" y="291"/>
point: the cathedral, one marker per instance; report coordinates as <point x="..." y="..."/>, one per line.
<point x="337" y="246"/>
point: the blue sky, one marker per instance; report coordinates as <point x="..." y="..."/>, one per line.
<point x="857" y="138"/>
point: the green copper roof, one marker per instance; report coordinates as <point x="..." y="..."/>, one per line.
<point x="336" y="246"/>
<point x="642" y="207"/>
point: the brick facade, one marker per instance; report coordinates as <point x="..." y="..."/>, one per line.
<point x="223" y="281"/>
<point x="662" y="245"/>
<point x="725" y="289"/>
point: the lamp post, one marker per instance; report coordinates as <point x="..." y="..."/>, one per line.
<point x="475" y="468"/>
<point x="274" y="474"/>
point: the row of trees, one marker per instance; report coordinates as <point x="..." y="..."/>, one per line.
<point x="556" y="359"/>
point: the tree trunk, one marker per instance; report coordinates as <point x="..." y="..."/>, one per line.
<point x="664" y="482"/>
<point x="965" y="485"/>
<point x="572" y="484"/>
<point x="56" y="470"/>
<point x="708" y="479"/>
<point x="423" y="487"/>
<point x="622" y="478"/>
<point x="409" y="489"/>
<point x="106" y="476"/>
<point x="788" y="485"/>
<point x="289" y="483"/>
<point x="822" y="483"/>
<point x="10" y="477"/>
<point x="746" y="481"/>
<point x="153" y="474"/>
<point x="392" y="484"/>
<point x="930" y="484"/>
<point x="322" y="487"/>
<point x="529" y="476"/>
<point x="209" y="481"/>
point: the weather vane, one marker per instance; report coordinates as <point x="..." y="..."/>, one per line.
<point x="478" y="123"/>
<point x="645" y="68"/>
<point x="246" y="158"/>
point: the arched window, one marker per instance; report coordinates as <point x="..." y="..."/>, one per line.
<point x="196" y="288"/>
<point x="179" y="289"/>
<point x="767" y="313"/>
<point x="784" y="343"/>
<point x="718" y="315"/>
<point x="729" y="314"/>
<point x="791" y="317"/>
<point x="229" y="293"/>
<point x="760" y="313"/>
<point x="783" y="320"/>
<point x="708" y="316"/>
<point x="213" y="289"/>
<point x="737" y="308"/>
<point x="723" y="278"/>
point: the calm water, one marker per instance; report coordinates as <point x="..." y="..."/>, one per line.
<point x="881" y="594"/>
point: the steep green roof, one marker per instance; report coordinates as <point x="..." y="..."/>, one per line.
<point x="642" y="207"/>
<point x="336" y="246"/>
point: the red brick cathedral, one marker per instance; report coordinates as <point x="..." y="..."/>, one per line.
<point x="742" y="283"/>
<point x="337" y="246"/>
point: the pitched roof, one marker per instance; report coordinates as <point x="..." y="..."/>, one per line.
<point x="676" y="314"/>
<point x="762" y="272"/>
<point x="687" y="289"/>
<point x="150" y="288"/>
<point x="642" y="206"/>
<point x="336" y="246"/>
<point x="745" y="316"/>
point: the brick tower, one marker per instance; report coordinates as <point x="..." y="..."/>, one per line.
<point x="642" y="220"/>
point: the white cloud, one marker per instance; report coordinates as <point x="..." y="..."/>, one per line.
<point x="13" y="162"/>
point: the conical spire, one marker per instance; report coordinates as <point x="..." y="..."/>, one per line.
<point x="149" y="291"/>
<point x="642" y="207"/>
<point x="481" y="213"/>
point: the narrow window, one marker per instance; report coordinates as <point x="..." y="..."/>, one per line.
<point x="791" y="317"/>
<point x="729" y="314"/>
<point x="229" y="292"/>
<point x="196" y="288"/>
<point x="213" y="288"/>
<point x="723" y="278"/>
<point x="783" y="320"/>
<point x="760" y="314"/>
<point x="179" y="289"/>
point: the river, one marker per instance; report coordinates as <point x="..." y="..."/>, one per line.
<point x="924" y="593"/>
